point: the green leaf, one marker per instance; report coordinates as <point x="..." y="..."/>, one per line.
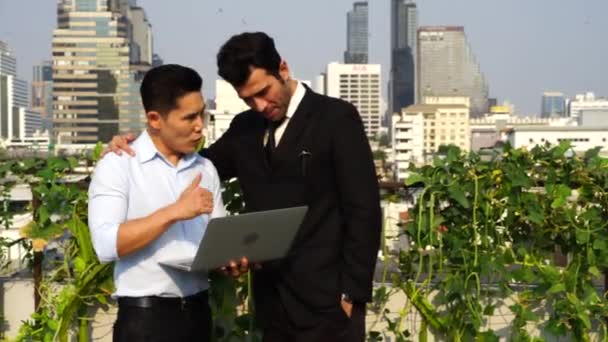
<point x="584" y="317"/>
<point x="582" y="236"/>
<point x="487" y="336"/>
<point x="600" y="244"/>
<point x="557" y="288"/>
<point x="458" y="195"/>
<point x="79" y="265"/>
<point x="96" y="154"/>
<point x="102" y="299"/>
<point x="556" y="327"/>
<point x="52" y="324"/>
<point x="524" y="274"/>
<point x="593" y="153"/>
<point x="536" y="217"/>
<point x="43" y="215"/>
<point x="46" y="174"/>
<point x="83" y="238"/>
<point x="413" y="179"/>
<point x="72" y="162"/>
<point x="524" y="313"/>
<point x="489" y="310"/>
<point x="595" y="271"/>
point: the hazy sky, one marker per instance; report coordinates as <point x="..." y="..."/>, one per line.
<point x="524" y="46"/>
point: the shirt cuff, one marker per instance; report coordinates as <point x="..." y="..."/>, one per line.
<point x="104" y="239"/>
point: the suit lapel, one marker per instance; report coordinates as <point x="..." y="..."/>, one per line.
<point x="295" y="127"/>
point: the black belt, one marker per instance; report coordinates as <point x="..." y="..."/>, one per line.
<point x="149" y="302"/>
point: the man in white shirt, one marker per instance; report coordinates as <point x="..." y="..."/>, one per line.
<point x="156" y="207"/>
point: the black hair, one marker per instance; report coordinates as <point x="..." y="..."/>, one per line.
<point x="164" y="85"/>
<point x="246" y="50"/>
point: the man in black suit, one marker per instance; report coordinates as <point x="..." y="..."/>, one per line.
<point x="295" y="147"/>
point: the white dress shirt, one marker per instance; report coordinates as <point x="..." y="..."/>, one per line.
<point x="294" y="103"/>
<point x="124" y="188"/>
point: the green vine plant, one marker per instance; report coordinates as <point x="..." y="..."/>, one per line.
<point x="75" y="282"/>
<point x="526" y="229"/>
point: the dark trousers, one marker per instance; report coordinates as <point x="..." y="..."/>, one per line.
<point x="155" y="319"/>
<point x="333" y="326"/>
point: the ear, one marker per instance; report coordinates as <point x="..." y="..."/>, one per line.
<point x="284" y="70"/>
<point x="154" y="119"/>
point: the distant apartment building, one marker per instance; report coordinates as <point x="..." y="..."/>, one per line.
<point x="360" y="85"/>
<point x="421" y="129"/>
<point x="589" y="103"/>
<point x="446" y="66"/>
<point x="593" y="118"/>
<point x="582" y="138"/>
<point x="490" y="129"/>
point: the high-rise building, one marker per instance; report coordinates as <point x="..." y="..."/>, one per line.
<point x="447" y="67"/>
<point x="16" y="121"/>
<point x="358" y="84"/>
<point x="41" y="99"/>
<point x="404" y="23"/>
<point x="101" y="49"/>
<point x="8" y="63"/>
<point x="357" y="34"/>
<point x="553" y="105"/>
<point x="140" y="37"/>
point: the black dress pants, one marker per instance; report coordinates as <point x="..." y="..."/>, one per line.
<point x="333" y="326"/>
<point x="156" y="319"/>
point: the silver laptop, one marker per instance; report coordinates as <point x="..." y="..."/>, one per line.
<point x="259" y="236"/>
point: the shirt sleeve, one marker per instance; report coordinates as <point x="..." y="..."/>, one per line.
<point x="107" y="206"/>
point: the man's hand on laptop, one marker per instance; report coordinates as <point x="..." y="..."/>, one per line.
<point x="236" y="270"/>
<point x="194" y="201"/>
<point x="119" y="144"/>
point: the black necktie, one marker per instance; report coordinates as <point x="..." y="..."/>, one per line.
<point x="271" y="143"/>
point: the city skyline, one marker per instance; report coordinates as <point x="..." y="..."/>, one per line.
<point x="520" y="61"/>
<point x="100" y="53"/>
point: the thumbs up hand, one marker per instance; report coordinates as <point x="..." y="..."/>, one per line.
<point x="194" y="201"/>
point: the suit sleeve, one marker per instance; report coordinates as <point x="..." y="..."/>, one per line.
<point x="221" y="153"/>
<point x="359" y="198"/>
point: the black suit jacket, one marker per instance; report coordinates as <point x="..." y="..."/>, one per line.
<point x="323" y="160"/>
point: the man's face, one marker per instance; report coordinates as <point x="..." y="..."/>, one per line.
<point x="181" y="130"/>
<point x="266" y="94"/>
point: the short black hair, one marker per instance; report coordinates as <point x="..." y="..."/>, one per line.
<point x="246" y="50"/>
<point x="162" y="86"/>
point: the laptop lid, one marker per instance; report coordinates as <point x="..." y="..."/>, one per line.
<point x="259" y="236"/>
